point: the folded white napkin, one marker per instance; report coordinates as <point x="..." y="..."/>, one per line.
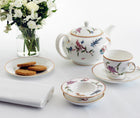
<point x="25" y="93"/>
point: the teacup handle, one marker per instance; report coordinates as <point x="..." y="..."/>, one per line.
<point x="58" y="41"/>
<point x="133" y="64"/>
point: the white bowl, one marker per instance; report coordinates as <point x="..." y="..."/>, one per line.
<point x="83" y="91"/>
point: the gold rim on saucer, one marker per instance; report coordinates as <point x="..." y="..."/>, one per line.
<point x="84" y="97"/>
<point x="111" y="80"/>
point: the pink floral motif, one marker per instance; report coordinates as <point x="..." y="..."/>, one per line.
<point x="111" y="69"/>
<point x="84" y="99"/>
<point x="71" y="82"/>
<point x="115" y="69"/>
<point x="79" y="30"/>
<point x="79" y="94"/>
<point x="79" y="45"/>
<point x="83" y="58"/>
<point x="85" y="79"/>
<point x="102" y="51"/>
<point x="79" y="48"/>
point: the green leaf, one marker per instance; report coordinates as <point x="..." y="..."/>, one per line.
<point x="88" y="30"/>
<point x="77" y="53"/>
<point x="107" y="63"/>
<point x="6" y="7"/>
<point x="118" y="66"/>
<point x="121" y="73"/>
<point x="83" y="51"/>
<point x="90" y="51"/>
<point x="54" y="10"/>
<point x="53" y="1"/>
<point x="68" y="50"/>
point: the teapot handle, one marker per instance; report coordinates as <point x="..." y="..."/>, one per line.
<point x="58" y="41"/>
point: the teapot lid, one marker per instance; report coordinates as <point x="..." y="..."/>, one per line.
<point x="86" y="31"/>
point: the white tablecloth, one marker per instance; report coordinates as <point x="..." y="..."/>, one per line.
<point x="120" y="100"/>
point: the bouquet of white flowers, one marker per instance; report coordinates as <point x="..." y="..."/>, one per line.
<point x="29" y="16"/>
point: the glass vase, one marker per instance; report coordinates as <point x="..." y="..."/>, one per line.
<point x="27" y="42"/>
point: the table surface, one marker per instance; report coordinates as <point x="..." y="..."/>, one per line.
<point x="120" y="100"/>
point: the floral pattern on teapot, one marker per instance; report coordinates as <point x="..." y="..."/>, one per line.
<point x="90" y="31"/>
<point x="102" y="51"/>
<point x="80" y="48"/>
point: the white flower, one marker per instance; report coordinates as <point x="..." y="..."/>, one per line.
<point x="49" y="12"/>
<point x="10" y="8"/>
<point x="35" y="15"/>
<point x="31" y="25"/>
<point x="36" y="1"/>
<point x="9" y="17"/>
<point x="51" y="4"/>
<point x="38" y="26"/>
<point x="27" y="18"/>
<point x="18" y="3"/>
<point x="32" y="6"/>
<point x="4" y="2"/>
<point x="38" y="19"/>
<point x="0" y="4"/>
<point x="24" y="2"/>
<point x="43" y="22"/>
<point x="18" y="13"/>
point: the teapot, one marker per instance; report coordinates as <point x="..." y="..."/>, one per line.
<point x="84" y="45"/>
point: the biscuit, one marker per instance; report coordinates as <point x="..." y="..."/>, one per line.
<point x="25" y="72"/>
<point x="37" y="68"/>
<point x="26" y="64"/>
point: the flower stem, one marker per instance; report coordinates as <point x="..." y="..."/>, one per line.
<point x="31" y="46"/>
<point x="24" y="47"/>
<point x="31" y="41"/>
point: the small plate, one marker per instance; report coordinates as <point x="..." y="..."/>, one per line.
<point x="82" y="103"/>
<point x="98" y="71"/>
<point x="83" y="100"/>
<point x="83" y="88"/>
<point x="11" y="66"/>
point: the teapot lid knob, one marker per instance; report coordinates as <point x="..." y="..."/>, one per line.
<point x="86" y="24"/>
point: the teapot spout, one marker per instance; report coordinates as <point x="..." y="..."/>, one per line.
<point x="109" y="29"/>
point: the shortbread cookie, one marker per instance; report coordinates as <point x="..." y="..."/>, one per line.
<point x="37" y="68"/>
<point x="25" y="72"/>
<point x="26" y="64"/>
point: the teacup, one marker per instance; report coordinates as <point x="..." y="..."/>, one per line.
<point x="118" y="63"/>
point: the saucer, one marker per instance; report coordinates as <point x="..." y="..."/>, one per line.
<point x="98" y="71"/>
<point x="11" y="66"/>
<point x="81" y="103"/>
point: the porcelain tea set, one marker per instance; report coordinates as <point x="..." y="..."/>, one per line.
<point x="89" y="46"/>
